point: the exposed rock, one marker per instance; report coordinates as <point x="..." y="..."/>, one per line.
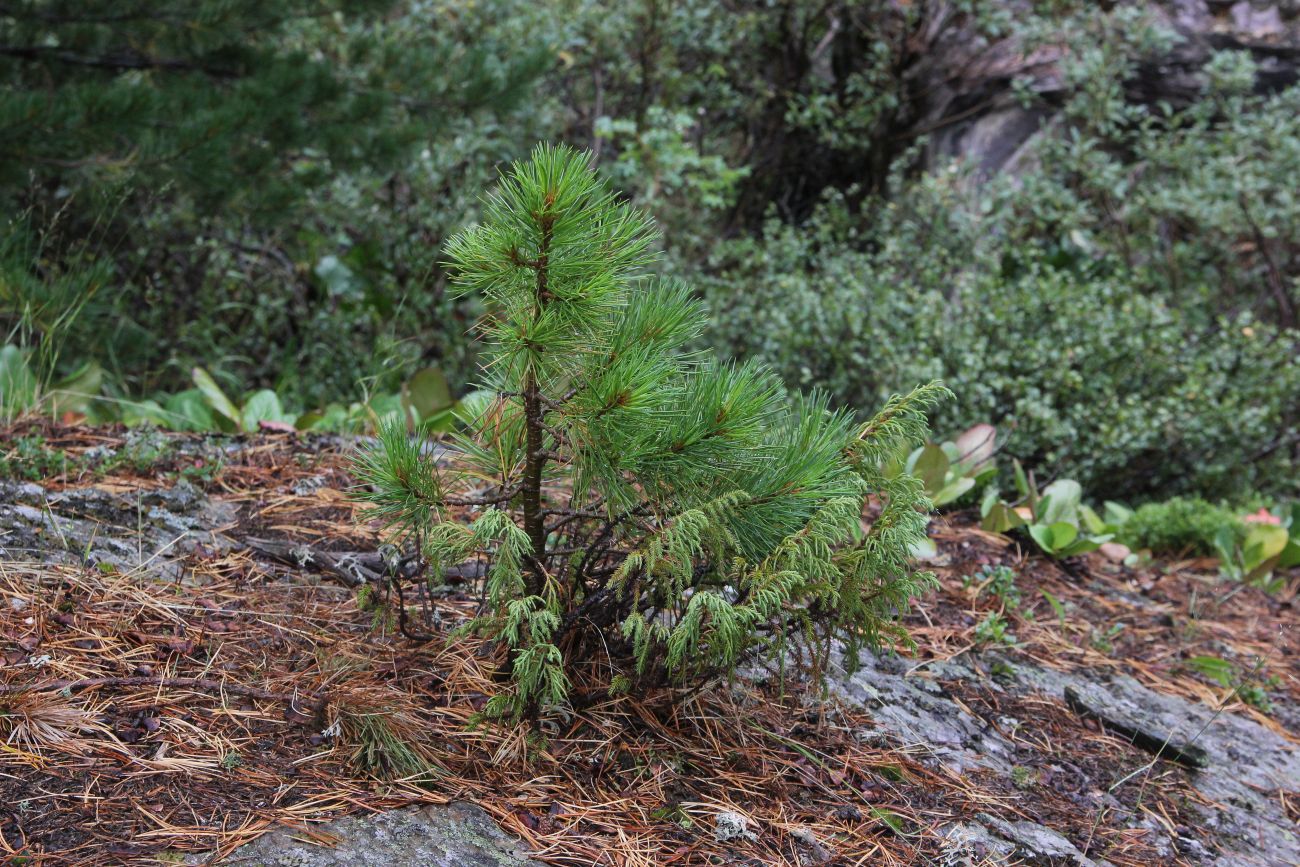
<point x="915" y="710"/>
<point x="1035" y="843"/>
<point x="992" y="840"/>
<point x="454" y="835"/>
<point x="968" y="844"/>
<point x="1258" y="21"/>
<point x="98" y="526"/>
<point x="1127" y="719"/>
<point x="1239" y="764"/>
<point x="971" y="112"/>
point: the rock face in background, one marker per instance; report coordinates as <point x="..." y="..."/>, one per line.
<point x="972" y="114"/>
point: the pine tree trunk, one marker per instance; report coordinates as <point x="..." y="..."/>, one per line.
<point x="535" y="457"/>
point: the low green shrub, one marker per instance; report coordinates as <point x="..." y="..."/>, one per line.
<point x="1095" y="364"/>
<point x="1181" y="525"/>
<point x="1123" y="309"/>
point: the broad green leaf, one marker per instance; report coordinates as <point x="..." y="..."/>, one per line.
<point x="931" y="467"/>
<point x="1083" y="545"/>
<point x="215" y="397"/>
<point x="1054" y="538"/>
<point x="18" y="386"/>
<point x="989" y="500"/>
<point x="1290" y="555"/>
<point x="75" y="392"/>
<point x="147" y="411"/>
<point x="1001" y="518"/>
<point x="1063" y="533"/>
<point x="1042" y="534"/>
<point x="1219" y="670"/>
<point x="1263" y="543"/>
<point x="953" y="491"/>
<point x="440" y="422"/>
<point x="308" y="420"/>
<point x="1262" y="551"/>
<point x="924" y="549"/>
<point x="1117" y="514"/>
<point x="383" y="408"/>
<point x="1092" y="522"/>
<point x="1225" y="543"/>
<point x="473" y="405"/>
<point x="429" y="393"/>
<point x="1022" y="483"/>
<point x="263" y="405"/>
<point x="1065" y="496"/>
<point x="190" y="410"/>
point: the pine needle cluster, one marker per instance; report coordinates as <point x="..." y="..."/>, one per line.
<point x="632" y="498"/>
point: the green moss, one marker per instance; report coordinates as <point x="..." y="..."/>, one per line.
<point x="1182" y="525"/>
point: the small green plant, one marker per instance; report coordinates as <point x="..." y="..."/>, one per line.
<point x="1266" y="546"/>
<point x="993" y="629"/>
<point x="424" y="402"/>
<point x="1024" y="778"/>
<point x="370" y="600"/>
<point x="1056" y="519"/>
<point x="1248" y="685"/>
<point x="202" y="471"/>
<point x="31" y="459"/>
<point x="632" y="497"/>
<point x="1103" y="640"/>
<point x="1058" y="608"/>
<point x="998" y="580"/>
<point x="385" y="742"/>
<point x="952" y="469"/>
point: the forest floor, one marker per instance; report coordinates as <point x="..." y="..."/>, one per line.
<point x="187" y="664"/>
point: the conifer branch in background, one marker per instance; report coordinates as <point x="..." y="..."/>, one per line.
<point x="673" y="512"/>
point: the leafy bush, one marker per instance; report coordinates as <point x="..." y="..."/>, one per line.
<point x="1056" y="518"/>
<point x="630" y="496"/>
<point x="1098" y="338"/>
<point x="258" y="187"/>
<point x="1181" y="525"/>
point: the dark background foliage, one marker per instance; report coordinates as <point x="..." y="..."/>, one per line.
<point x="1081" y="216"/>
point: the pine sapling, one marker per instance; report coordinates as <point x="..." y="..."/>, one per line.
<point x="633" y="499"/>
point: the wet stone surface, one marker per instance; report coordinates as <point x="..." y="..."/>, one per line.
<point x="1235" y="764"/>
<point x="454" y="835"/>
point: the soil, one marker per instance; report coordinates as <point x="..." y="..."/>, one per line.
<point x="189" y="664"/>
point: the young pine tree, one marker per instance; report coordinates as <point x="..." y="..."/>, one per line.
<point x="631" y="498"/>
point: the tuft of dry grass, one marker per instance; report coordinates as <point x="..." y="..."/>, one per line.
<point x="38" y="721"/>
<point x="384" y="735"/>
